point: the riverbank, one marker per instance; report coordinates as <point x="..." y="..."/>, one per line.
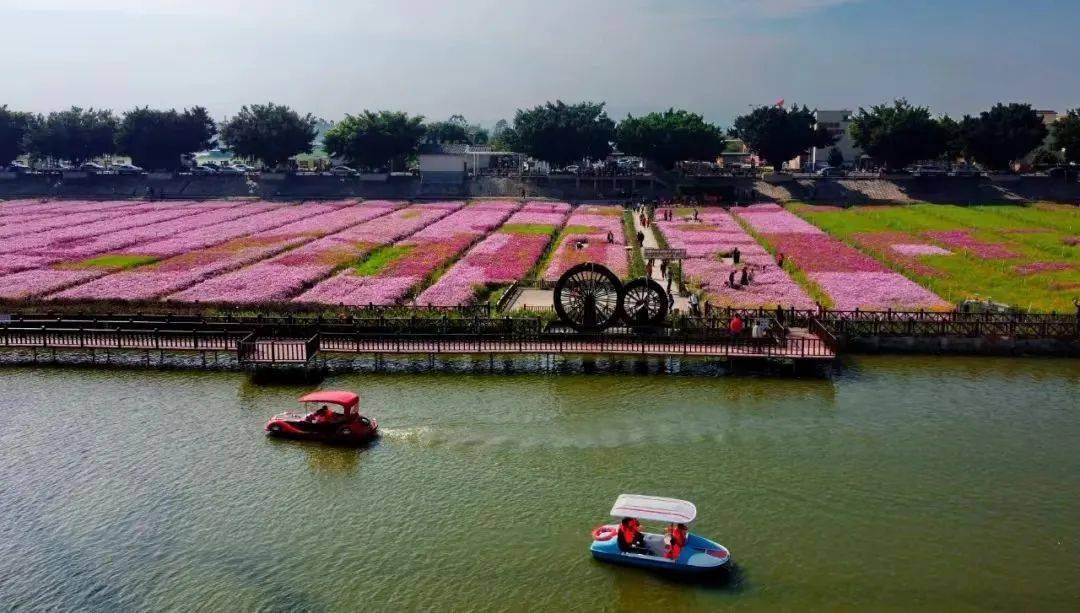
<point x="882" y="488"/>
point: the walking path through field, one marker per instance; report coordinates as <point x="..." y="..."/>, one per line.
<point x="681" y="302"/>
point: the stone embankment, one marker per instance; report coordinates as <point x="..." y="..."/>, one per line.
<point x="953" y="190"/>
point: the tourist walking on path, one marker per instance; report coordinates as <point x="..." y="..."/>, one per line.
<point x="735" y="255"/>
<point x="693" y="304"/>
<point x="640" y="238"/>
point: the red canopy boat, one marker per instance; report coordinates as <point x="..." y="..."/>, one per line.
<point x="337" y="420"/>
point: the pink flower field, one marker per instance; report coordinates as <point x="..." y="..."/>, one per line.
<point x="388" y="275"/>
<point x="850" y="278"/>
<point x="288" y="274"/>
<point x="715" y="234"/>
<point x="591" y="224"/>
<point x="200" y="255"/>
<point x="501" y="258"/>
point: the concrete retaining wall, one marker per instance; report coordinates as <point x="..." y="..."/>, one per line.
<point x="958" y="190"/>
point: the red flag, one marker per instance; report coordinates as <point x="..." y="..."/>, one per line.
<point x="780" y="102"/>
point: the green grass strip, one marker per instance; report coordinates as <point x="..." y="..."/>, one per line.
<point x="637" y="261"/>
<point x="380" y="259"/>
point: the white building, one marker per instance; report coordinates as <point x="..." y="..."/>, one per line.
<point x="838" y="124"/>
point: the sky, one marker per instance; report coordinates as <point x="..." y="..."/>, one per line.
<point x="486" y="58"/>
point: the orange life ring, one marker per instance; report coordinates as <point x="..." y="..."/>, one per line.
<point x="604" y="533"/>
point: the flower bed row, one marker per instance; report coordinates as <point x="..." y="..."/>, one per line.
<point x="708" y="240"/>
<point x="194" y="256"/>
<point x="288" y="274"/>
<point x="388" y="275"/>
<point x="584" y="239"/>
<point x="502" y="258"/>
<point x="1011" y="254"/>
<point x="848" y="277"/>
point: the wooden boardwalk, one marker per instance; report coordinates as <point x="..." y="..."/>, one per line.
<point x="299" y="351"/>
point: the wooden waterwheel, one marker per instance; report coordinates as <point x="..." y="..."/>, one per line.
<point x="643" y="302"/>
<point x="587" y="297"/>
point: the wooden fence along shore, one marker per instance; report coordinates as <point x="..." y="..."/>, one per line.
<point x="794" y="336"/>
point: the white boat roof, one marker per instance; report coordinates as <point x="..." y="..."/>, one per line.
<point x="654" y="508"/>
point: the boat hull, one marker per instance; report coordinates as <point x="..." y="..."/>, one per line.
<point x="699" y="556"/>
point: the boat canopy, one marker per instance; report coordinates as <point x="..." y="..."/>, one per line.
<point x="345" y="399"/>
<point x="654" y="508"/>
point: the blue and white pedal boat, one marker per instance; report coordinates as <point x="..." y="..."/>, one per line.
<point x="699" y="555"/>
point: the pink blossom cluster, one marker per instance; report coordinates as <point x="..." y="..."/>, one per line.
<point x="585" y="240"/>
<point x="774" y="219"/>
<point x="1032" y="268"/>
<point x="36" y="234"/>
<point x="38" y="281"/>
<point x="715" y="234"/>
<point x="422" y="254"/>
<point x="917" y="249"/>
<point x="284" y="276"/>
<point x="265" y="234"/>
<point x="850" y="278"/>
<point x="962" y="239"/>
<point x="64" y="237"/>
<point x="80" y="248"/>
<point x="502" y="258"/>
<point x="875" y="291"/>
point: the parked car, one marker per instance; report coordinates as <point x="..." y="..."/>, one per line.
<point x="964" y="171"/>
<point x="91" y="167"/>
<point x="18" y="167"/>
<point x="928" y="171"/>
<point x="573" y="170"/>
<point x="204" y="170"/>
<point x="829" y="171"/>
<point x="243" y="168"/>
<point x="343" y="171"/>
<point x="128" y="169"/>
<point x="225" y="169"/>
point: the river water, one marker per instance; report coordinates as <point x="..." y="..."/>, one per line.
<point x="941" y="483"/>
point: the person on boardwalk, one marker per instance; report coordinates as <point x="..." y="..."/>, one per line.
<point x="695" y="215"/>
<point x="670" y="276"/>
<point x="648" y="269"/>
<point x="640" y="238"/>
<point x="735" y="255"/>
<point x="611" y="237"/>
<point x="693" y="304"/>
<point x="736" y="325"/>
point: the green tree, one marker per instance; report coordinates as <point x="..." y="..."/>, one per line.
<point x="1066" y="135"/>
<point x="371" y="139"/>
<point x="898" y="134"/>
<point x="1005" y="133"/>
<point x="15" y="128"/>
<point x="75" y="135"/>
<point x="456" y="129"/>
<point x="158" y="139"/>
<point x="269" y="132"/>
<point x="836" y="158"/>
<point x="670" y="137"/>
<point x="954" y="139"/>
<point x="777" y="134"/>
<point x="560" y="133"/>
<point x="1044" y="158"/>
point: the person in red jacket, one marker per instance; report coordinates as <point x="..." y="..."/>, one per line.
<point x="676" y="540"/>
<point x="736" y="325"/>
<point x="630" y="538"/>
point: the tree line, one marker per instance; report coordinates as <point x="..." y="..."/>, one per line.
<point x="894" y="135"/>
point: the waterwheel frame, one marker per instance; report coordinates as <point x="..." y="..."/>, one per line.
<point x="643" y="303"/>
<point x="587" y="297"/>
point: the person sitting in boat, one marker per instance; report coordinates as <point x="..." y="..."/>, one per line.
<point x="631" y="540"/>
<point x="675" y="540"/>
<point x="323" y="416"/>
